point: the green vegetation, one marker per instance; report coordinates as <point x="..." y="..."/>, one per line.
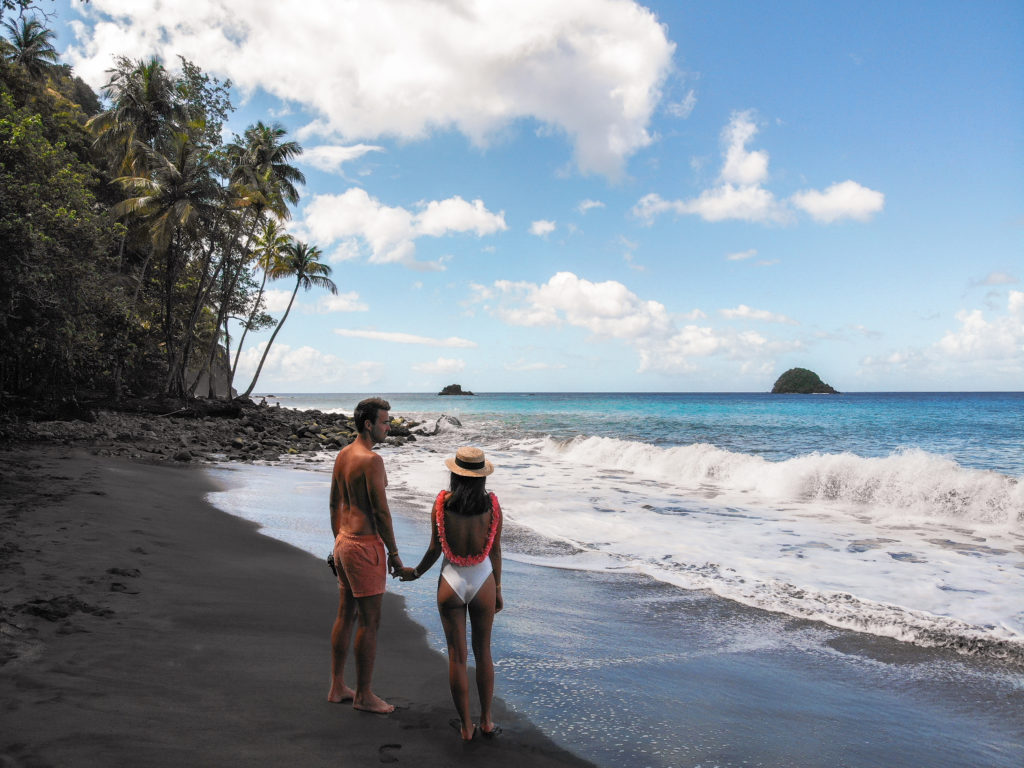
<point x="801" y="381"/>
<point x="130" y="235"/>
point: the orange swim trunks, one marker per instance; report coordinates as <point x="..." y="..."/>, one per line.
<point x="362" y="566"/>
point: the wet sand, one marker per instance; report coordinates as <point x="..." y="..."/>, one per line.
<point x="141" y="626"/>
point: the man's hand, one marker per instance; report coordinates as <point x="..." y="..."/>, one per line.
<point x="408" y="574"/>
<point x="394" y="564"/>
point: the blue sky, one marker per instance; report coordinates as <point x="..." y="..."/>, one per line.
<point x="599" y="195"/>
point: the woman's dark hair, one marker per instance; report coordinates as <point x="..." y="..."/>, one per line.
<point x="468" y="496"/>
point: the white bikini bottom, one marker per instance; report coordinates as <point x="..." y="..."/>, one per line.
<point x="466" y="580"/>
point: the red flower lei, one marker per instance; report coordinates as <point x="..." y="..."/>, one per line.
<point x="491" y="533"/>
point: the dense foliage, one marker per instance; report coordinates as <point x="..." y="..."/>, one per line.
<point x="129" y="234"/>
<point x="801" y="381"/>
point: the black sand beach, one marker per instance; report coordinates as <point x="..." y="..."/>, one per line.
<point x="141" y="626"/>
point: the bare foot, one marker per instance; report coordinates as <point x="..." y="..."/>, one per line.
<point x="340" y="692"/>
<point x="458" y="725"/>
<point x="489" y="729"/>
<point x="372" y="703"/>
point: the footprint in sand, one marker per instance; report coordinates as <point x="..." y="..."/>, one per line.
<point x="385" y="753"/>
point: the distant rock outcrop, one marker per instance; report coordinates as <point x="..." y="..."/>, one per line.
<point x="800" y="381"/>
<point x="454" y="389"/>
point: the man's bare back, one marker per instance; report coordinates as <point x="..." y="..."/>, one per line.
<point x="361" y="524"/>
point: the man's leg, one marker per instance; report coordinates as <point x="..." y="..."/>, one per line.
<point x="341" y="636"/>
<point x="368" y="609"/>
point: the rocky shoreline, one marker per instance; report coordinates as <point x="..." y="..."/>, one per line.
<point x="201" y="431"/>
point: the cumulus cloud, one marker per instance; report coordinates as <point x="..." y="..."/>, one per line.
<point x="591" y="70"/>
<point x="276" y="300"/>
<point x="845" y="200"/>
<point x="443" y="365"/>
<point x="993" y="345"/>
<point x="343" y="302"/>
<point x="978" y="338"/>
<point x="610" y="310"/>
<point x="542" y="227"/>
<point x="744" y="312"/>
<point x="330" y="158"/>
<point x="740" y="192"/>
<point x="306" y="366"/>
<point x="390" y="232"/>
<point x="392" y="337"/>
<point x="586" y="205"/>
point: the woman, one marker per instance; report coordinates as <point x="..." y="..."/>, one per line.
<point x="466" y="528"/>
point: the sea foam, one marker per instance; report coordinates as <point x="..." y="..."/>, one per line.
<point x="907" y="483"/>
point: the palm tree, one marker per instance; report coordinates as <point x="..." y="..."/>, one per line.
<point x="178" y="194"/>
<point x="271" y="246"/>
<point x="30" y="46"/>
<point x="263" y="164"/>
<point x="262" y="180"/>
<point x="301" y="261"/>
<point x="146" y="108"/>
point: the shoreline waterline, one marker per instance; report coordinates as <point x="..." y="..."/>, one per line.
<point x="575" y="649"/>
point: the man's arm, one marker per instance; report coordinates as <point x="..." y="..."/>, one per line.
<point x="335" y="503"/>
<point x="377" y="481"/>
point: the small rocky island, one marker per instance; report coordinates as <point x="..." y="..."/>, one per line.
<point x="800" y="381"/>
<point x="454" y="389"/>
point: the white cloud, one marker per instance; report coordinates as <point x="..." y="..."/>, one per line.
<point x="405" y="338"/>
<point x="343" y="302"/>
<point x="683" y="109"/>
<point x="521" y="366"/>
<point x="542" y="227"/>
<point x="742" y="255"/>
<point x="741" y="166"/>
<point x="610" y="310"/>
<point x="586" y="205"/>
<point x="391" y="231"/>
<point x="591" y="70"/>
<point x="276" y="301"/>
<point x="744" y="312"/>
<point x="330" y="158"/>
<point x="997" y="278"/>
<point x="978" y="339"/>
<point x="310" y="368"/>
<point x="740" y="192"/>
<point x="991" y="347"/>
<point x="443" y="365"/>
<point x="845" y="200"/>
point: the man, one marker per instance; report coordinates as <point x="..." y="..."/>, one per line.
<point x="361" y="523"/>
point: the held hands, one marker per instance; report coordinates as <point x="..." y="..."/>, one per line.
<point x="395" y="564"/>
<point x="407" y="574"/>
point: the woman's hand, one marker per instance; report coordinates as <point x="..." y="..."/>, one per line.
<point x="499" y="601"/>
<point x="408" y="574"/>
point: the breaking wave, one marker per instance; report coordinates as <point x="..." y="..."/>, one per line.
<point x="907" y="483"/>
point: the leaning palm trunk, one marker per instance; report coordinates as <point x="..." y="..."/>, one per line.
<point x="263" y="359"/>
<point x="229" y="289"/>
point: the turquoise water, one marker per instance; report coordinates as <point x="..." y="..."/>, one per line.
<point x="977" y="430"/>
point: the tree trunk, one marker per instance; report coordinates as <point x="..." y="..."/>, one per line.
<point x="273" y="336"/>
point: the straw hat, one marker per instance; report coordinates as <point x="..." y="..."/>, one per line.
<point x="469" y="462"/>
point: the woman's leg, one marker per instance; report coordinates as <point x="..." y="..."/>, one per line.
<point x="453" y="620"/>
<point x="481" y="615"/>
